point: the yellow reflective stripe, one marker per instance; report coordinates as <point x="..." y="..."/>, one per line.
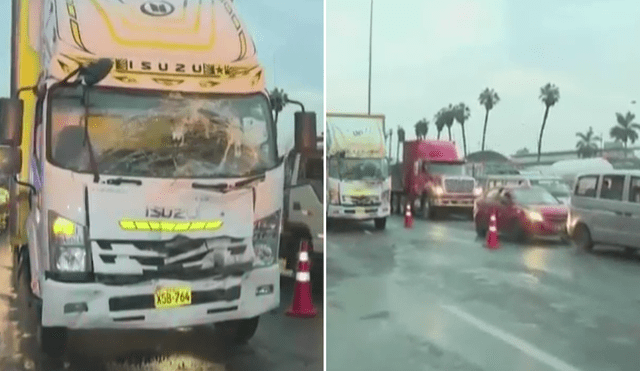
<point x="164" y="226"/>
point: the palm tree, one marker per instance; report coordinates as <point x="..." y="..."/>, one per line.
<point x="449" y="118"/>
<point x="488" y="98"/>
<point x="549" y="95"/>
<point x="278" y="100"/>
<point x="625" y="130"/>
<point x="587" y="146"/>
<point x="400" y="141"/>
<point x="422" y="128"/>
<point x="462" y="114"/>
<point x="440" y="120"/>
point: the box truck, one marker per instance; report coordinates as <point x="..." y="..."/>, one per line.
<point x="149" y="188"/>
<point x="358" y="178"/>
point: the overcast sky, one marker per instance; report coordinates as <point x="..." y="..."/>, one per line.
<point x="427" y="54"/>
<point x="289" y="32"/>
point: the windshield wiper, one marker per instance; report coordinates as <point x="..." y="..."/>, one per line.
<point x="119" y="181"/>
<point x="226" y="187"/>
<point x="92" y="159"/>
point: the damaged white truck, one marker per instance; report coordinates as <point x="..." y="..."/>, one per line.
<point x="148" y="179"/>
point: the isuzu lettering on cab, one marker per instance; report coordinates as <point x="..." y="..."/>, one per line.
<point x="149" y="184"/>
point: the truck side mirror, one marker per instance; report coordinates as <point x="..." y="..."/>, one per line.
<point x="305" y="131"/>
<point x="10" y="160"/>
<point x="11" y="110"/>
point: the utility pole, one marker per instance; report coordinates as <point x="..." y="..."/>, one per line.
<point x="370" y="45"/>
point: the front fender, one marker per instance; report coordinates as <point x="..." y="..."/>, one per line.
<point x="35" y="253"/>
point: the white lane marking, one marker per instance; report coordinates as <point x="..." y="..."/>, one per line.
<point x="527" y="348"/>
<point x="367" y="232"/>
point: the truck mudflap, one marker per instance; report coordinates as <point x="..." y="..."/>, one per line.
<point x="98" y="305"/>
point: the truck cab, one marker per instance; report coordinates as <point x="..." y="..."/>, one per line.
<point x="304" y="203"/>
<point x="148" y="186"/>
<point x="435" y="175"/>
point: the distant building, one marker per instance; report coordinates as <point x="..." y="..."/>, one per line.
<point x="613" y="151"/>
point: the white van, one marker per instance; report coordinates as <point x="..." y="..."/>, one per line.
<point x="605" y="209"/>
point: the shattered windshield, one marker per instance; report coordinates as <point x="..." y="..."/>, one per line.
<point x="162" y="134"/>
<point x="363" y="169"/>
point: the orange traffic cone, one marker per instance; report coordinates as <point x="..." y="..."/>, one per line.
<point x="408" y="217"/>
<point x="302" y="305"/>
<point x="492" y="234"/>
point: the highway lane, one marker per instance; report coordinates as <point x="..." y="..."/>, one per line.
<point x="433" y="298"/>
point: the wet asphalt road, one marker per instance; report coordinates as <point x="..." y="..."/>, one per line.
<point x="433" y="298"/>
<point x="280" y="343"/>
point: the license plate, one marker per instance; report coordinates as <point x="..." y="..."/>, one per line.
<point x="171" y="297"/>
<point x="360" y="211"/>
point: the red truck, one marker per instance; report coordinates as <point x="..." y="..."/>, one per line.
<point x="433" y="172"/>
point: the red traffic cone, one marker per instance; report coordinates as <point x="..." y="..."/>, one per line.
<point x="492" y="234"/>
<point x="302" y="305"/>
<point x="408" y="217"/>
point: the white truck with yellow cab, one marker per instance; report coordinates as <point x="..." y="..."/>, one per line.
<point x="148" y="180"/>
<point x="358" y="176"/>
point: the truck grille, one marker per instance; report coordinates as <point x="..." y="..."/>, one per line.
<point x="459" y="185"/>
<point x="120" y="262"/>
<point x="361" y="200"/>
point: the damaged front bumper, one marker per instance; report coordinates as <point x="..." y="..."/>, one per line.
<point x="98" y="305"/>
<point x="358" y="212"/>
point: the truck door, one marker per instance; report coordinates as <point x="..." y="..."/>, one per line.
<point x="307" y="197"/>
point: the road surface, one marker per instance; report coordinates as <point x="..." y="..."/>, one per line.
<point x="281" y="342"/>
<point x="433" y="298"/>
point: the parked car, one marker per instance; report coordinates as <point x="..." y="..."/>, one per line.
<point x="557" y="186"/>
<point x="605" y="209"/>
<point x="522" y="212"/>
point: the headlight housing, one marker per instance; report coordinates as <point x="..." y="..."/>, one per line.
<point x="534" y="216"/>
<point x="68" y="243"/>
<point x="477" y="191"/>
<point x="266" y="237"/>
<point x="386" y="196"/>
<point x="334" y="196"/>
<point x="438" y="190"/>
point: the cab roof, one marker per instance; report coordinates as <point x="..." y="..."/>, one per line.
<point x="192" y="45"/>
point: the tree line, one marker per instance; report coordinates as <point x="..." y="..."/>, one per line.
<point x="460" y="113"/>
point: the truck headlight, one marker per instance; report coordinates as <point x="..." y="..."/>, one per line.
<point x="266" y="235"/>
<point x="477" y="191"/>
<point x="68" y="245"/>
<point x="334" y="196"/>
<point x="535" y="216"/>
<point x="386" y="196"/>
<point x="438" y="190"/>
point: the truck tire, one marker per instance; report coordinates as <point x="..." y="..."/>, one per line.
<point x="239" y="331"/>
<point x="52" y="340"/>
<point x="380" y="223"/>
<point x="481" y="231"/>
<point x="432" y="211"/>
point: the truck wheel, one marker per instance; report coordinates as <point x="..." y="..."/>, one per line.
<point x="380" y="223"/>
<point x="52" y="340"/>
<point x="239" y="331"/>
<point x="480" y="230"/>
<point x="432" y="212"/>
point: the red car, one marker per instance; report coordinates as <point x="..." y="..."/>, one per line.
<point x="521" y="213"/>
